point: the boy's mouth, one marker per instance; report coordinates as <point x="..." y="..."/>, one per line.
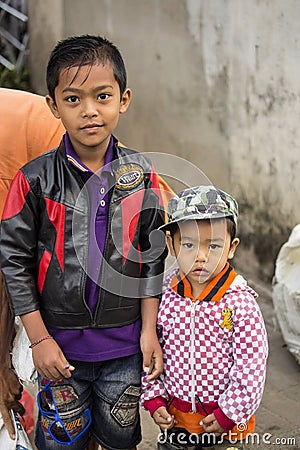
<point x="91" y="126"/>
<point x="200" y="271"/>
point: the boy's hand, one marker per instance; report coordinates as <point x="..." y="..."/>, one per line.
<point x="152" y="355"/>
<point x="10" y="393"/>
<point x="211" y="425"/>
<point x="163" y="419"/>
<point x="50" y="361"/>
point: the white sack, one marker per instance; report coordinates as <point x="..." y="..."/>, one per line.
<point x="286" y="292"/>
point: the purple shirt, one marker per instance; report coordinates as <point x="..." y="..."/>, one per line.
<point x="93" y="345"/>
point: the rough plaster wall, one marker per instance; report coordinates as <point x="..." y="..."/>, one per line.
<point x="171" y="109"/>
<point x="215" y="82"/>
<point x="261" y="55"/>
<point x="46" y="24"/>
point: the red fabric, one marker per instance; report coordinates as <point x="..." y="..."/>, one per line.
<point x="56" y="214"/>
<point x="131" y="209"/>
<point x="16" y="199"/>
<point x="223" y="420"/>
<point x="155" y="403"/>
<point x="28" y="419"/>
<point x="43" y="268"/>
<point x="28" y="129"/>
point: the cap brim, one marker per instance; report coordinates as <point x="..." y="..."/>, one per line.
<point x="168" y="226"/>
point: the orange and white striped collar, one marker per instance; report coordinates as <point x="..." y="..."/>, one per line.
<point x="214" y="291"/>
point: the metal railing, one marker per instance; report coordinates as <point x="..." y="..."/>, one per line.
<point x="13" y="34"/>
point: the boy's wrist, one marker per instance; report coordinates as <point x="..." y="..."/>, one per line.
<point x="38" y="341"/>
<point x="149" y="310"/>
<point x="149" y="329"/>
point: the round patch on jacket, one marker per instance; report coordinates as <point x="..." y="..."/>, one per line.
<point x="128" y="176"/>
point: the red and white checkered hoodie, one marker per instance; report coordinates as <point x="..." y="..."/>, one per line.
<point x="216" y="350"/>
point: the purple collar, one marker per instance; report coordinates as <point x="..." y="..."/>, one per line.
<point x="75" y="161"/>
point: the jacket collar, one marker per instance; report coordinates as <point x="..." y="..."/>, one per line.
<point x="214" y="291"/>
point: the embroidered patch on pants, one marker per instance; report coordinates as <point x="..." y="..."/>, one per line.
<point x="125" y="410"/>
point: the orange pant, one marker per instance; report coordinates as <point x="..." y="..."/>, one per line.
<point x="191" y="422"/>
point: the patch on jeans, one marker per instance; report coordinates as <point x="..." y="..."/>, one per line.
<point x="64" y="396"/>
<point x="69" y="426"/>
<point x="125" y="410"/>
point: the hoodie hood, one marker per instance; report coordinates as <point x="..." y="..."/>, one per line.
<point x="240" y="284"/>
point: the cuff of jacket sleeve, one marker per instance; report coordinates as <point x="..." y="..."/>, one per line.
<point x="153" y="404"/>
<point x="223" y="420"/>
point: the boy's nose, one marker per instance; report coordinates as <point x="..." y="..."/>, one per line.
<point x="202" y="254"/>
<point x="89" y="109"/>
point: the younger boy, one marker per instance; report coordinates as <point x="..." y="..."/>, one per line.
<point x="78" y="257"/>
<point x="211" y="329"/>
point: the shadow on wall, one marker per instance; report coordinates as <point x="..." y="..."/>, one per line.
<point x="261" y="239"/>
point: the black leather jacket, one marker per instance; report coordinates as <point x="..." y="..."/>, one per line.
<point x="45" y="234"/>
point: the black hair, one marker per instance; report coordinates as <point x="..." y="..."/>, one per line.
<point x="85" y="50"/>
<point x="231" y="228"/>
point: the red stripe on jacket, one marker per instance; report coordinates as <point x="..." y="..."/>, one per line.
<point x="43" y="268"/>
<point x="131" y="209"/>
<point x="56" y="213"/>
<point x="16" y="197"/>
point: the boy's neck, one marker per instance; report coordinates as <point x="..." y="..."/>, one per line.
<point x="92" y="158"/>
<point x="94" y="162"/>
<point x="197" y="290"/>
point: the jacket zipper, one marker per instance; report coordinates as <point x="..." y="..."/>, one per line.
<point x="84" y="277"/>
<point x="86" y="257"/>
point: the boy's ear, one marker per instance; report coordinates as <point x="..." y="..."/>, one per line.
<point x="170" y="245"/>
<point x="233" y="247"/>
<point x="125" y="100"/>
<point x="52" y="106"/>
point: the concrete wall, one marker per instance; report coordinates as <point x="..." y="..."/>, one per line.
<point x="215" y="82"/>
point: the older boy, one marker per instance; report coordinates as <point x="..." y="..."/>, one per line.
<point x="211" y="328"/>
<point x="78" y="259"/>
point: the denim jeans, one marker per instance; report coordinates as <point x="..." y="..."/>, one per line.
<point x="111" y="390"/>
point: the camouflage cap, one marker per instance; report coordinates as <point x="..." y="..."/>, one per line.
<point x="201" y="202"/>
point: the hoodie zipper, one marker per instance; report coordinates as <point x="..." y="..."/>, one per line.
<point x="192" y="358"/>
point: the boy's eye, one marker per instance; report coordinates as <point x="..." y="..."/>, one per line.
<point x="103" y="96"/>
<point x="72" y="99"/>
<point x="214" y="246"/>
<point x="187" y="245"/>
